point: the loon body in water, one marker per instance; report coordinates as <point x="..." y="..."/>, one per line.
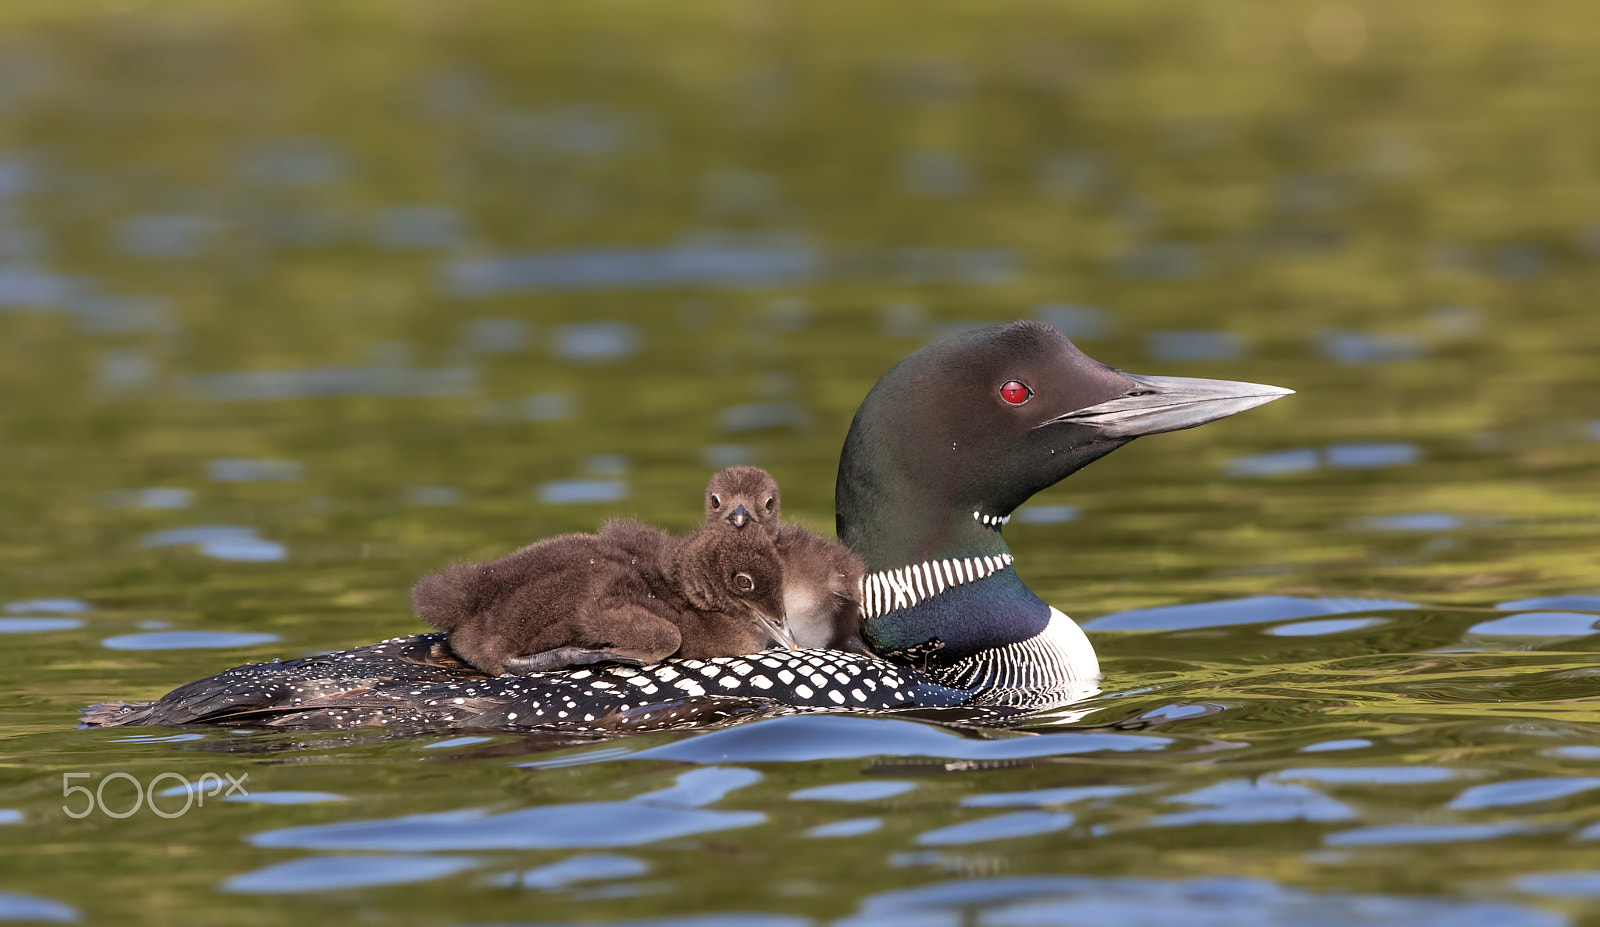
<point x="942" y="450"/>
<point x="630" y="594"/>
<point x="822" y="586"/>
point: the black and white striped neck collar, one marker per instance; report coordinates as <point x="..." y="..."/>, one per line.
<point x="891" y="590"/>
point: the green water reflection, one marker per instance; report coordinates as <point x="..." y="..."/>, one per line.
<point x="300" y="300"/>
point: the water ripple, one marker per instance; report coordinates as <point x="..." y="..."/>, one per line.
<point x="653" y="816"/>
<point x="187" y="640"/>
<point x="15" y="906"/>
<point x="1582" y="603"/>
<point x="1230" y="901"/>
<point x="815" y="737"/>
<point x="47" y="607"/>
<point x="38" y="625"/>
<point x="576" y="825"/>
<point x="1329" y="746"/>
<point x="585" y="867"/>
<point x="700" y="787"/>
<point x="1538" y="624"/>
<point x="1561" y="884"/>
<point x="998" y="827"/>
<point x="1369" y="775"/>
<point x="1242" y="801"/>
<point x="329" y="872"/>
<point x="849" y="827"/>
<point x="854" y="791"/>
<point x="1523" y="792"/>
<point x="222" y="542"/>
<point x="1040" y="798"/>
<point x="1403" y="834"/>
<point x="1228" y="612"/>
<point x="1325" y="626"/>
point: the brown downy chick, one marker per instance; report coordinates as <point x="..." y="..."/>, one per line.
<point x="632" y="594"/>
<point x="822" y="578"/>
<point x="823" y="597"/>
<point x="740" y="495"/>
<point x="733" y="581"/>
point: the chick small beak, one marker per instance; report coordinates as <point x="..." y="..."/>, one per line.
<point x="739" y="516"/>
<point x="779" y="630"/>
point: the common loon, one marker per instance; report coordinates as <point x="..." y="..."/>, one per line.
<point x="942" y="450"/>
<point x="822" y="586"/>
<point x="630" y="594"/>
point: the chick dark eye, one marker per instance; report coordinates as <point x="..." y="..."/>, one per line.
<point x="770" y="503"/>
<point x="716" y="503"/>
<point x="744" y="582"/>
<point x="1015" y="392"/>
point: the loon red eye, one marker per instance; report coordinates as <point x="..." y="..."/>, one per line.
<point x="1016" y="392"/>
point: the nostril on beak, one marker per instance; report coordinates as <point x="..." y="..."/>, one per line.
<point x="739" y="516"/>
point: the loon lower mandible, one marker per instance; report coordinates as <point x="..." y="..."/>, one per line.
<point x="942" y="450"/>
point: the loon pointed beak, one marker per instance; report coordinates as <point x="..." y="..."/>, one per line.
<point x="1161" y="404"/>
<point x="779" y="630"/>
<point x="739" y="516"/>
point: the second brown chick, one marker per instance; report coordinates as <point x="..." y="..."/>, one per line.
<point x="821" y="577"/>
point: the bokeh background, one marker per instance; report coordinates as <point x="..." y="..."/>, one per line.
<point x="301" y="299"/>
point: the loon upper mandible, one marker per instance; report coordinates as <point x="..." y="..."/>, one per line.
<point x="942" y="450"/>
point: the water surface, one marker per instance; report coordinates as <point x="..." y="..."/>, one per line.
<point x="300" y="300"/>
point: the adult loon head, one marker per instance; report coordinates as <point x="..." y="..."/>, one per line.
<point x="945" y="447"/>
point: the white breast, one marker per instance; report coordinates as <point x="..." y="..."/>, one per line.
<point x="1054" y="667"/>
<point x="809" y="618"/>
